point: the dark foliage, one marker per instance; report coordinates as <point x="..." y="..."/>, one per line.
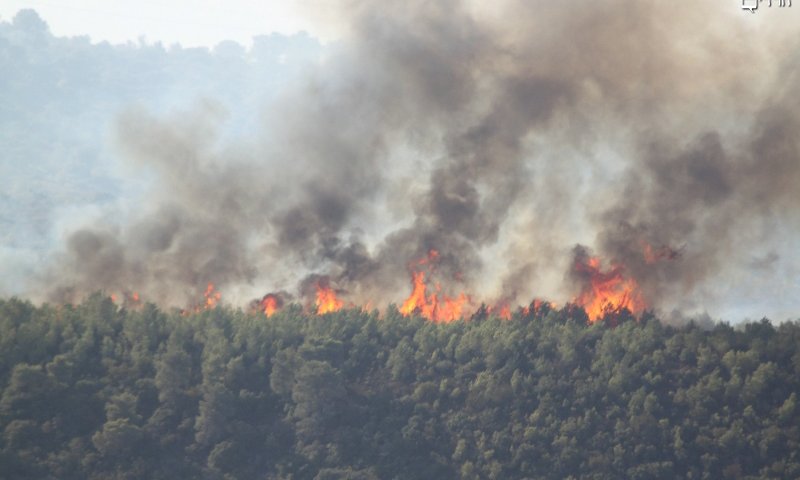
<point x="95" y="391"/>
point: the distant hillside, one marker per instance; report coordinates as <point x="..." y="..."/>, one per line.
<point x="59" y="102"/>
<point x="95" y="391"/>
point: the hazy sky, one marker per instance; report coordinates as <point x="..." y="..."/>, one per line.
<point x="208" y="22"/>
<point x="188" y="22"/>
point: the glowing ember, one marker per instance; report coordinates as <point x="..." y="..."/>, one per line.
<point x="606" y="291"/>
<point x="326" y="300"/>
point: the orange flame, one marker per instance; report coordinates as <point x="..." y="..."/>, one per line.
<point x="326" y="300"/>
<point x="129" y="299"/>
<point x="269" y="304"/>
<point x="537" y="305"/>
<point x="437" y="307"/>
<point x="501" y="310"/>
<point x="416" y="301"/>
<point x="212" y="297"/>
<point x="607" y="291"/>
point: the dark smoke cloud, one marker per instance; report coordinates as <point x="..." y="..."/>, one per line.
<point x="717" y="201"/>
<point x="478" y="132"/>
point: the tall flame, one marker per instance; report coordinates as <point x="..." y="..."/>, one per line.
<point x="607" y="291"/>
<point x="326" y="300"/>
<point x="436" y="307"/>
<point x="416" y="301"/>
<point x="270" y="304"/>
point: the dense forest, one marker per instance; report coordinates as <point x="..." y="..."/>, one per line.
<point x="98" y="391"/>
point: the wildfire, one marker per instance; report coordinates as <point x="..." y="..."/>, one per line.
<point x="501" y="310"/>
<point x="129" y="299"/>
<point x="436" y="307"/>
<point x="269" y="304"/>
<point x="212" y="297"/>
<point x="606" y="291"/>
<point x="504" y="312"/>
<point x="326" y="300"/>
<point x="538" y="306"/>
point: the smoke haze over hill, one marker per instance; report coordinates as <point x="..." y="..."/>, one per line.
<point x="500" y="139"/>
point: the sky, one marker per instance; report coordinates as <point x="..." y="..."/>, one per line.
<point x="207" y="22"/>
<point x="188" y="22"/>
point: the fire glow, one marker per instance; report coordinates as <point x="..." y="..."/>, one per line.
<point x="211" y="296"/>
<point x="606" y="291"/>
<point x="270" y="304"/>
<point x="327" y="301"/>
<point x="128" y="298"/>
<point x="436" y="307"/>
<point x="603" y="290"/>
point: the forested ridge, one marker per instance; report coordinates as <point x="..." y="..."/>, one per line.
<point x="97" y="391"/>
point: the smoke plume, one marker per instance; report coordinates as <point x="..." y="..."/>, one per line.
<point x="499" y="137"/>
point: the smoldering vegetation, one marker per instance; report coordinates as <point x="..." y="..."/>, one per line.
<point x="499" y="136"/>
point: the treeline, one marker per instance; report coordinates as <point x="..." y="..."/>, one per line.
<point x="97" y="391"/>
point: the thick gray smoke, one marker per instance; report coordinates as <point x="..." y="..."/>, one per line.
<point x="498" y="136"/>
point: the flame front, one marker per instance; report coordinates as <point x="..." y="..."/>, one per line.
<point x="603" y="290"/>
<point x="326" y="300"/>
<point x="607" y="291"/>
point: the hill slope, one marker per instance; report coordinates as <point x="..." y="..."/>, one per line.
<point x="94" y="391"/>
